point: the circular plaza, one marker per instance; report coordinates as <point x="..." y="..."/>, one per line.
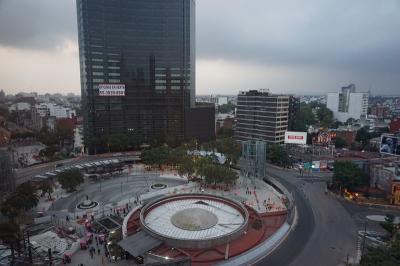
<point x="194" y="220"/>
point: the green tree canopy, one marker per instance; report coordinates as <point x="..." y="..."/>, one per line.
<point x="117" y="142"/>
<point x="304" y="118"/>
<point x="363" y="136"/>
<point x="348" y="175"/>
<point x="226" y="108"/>
<point x="156" y="156"/>
<point x="340" y="142"/>
<point x="277" y="155"/>
<point x="70" y="179"/>
<point x="186" y="167"/>
<point x="23" y="199"/>
<point x="325" y="116"/>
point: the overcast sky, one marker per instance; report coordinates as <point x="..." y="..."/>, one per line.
<point x="304" y="47"/>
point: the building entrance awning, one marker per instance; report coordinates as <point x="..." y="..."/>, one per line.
<point x="139" y="243"/>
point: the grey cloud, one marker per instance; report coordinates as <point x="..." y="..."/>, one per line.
<point x="360" y="33"/>
<point x="354" y="40"/>
<point x="37" y="24"/>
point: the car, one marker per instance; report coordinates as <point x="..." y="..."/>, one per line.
<point x="139" y="259"/>
<point x="58" y="165"/>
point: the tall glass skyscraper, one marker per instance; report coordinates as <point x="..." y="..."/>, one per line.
<point x="137" y="64"/>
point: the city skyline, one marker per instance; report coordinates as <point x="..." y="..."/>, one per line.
<point x="311" y="48"/>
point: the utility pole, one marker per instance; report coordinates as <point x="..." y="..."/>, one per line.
<point x="365" y="234"/>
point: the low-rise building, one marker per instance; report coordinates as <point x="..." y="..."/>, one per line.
<point x="394" y="126"/>
<point x="386" y="177"/>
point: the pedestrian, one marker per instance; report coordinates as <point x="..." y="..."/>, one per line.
<point x="98" y="251"/>
<point x="91" y="254"/>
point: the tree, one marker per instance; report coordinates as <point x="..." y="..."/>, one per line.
<point x="340" y="143"/>
<point x="350" y="121"/>
<point x="304" y="118"/>
<point x="117" y="142"/>
<point x="231" y="149"/>
<point x="201" y="166"/>
<point x="70" y="179"/>
<point x="23" y="199"/>
<point x="186" y="167"/>
<point x="348" y="175"/>
<point x="156" y="156"/>
<point x="9" y="235"/>
<point x="46" y="187"/>
<point x="363" y="136"/>
<point x="278" y="155"/>
<point x="389" y="225"/>
<point x="176" y="156"/>
<point x="325" y="116"/>
<point x="226" y="108"/>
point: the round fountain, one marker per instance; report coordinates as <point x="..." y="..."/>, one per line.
<point x="87" y="204"/>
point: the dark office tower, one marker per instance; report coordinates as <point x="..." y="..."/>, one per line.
<point x="137" y="62"/>
<point x="294" y="109"/>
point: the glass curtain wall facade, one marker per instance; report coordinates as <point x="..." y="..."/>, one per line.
<point x="146" y="48"/>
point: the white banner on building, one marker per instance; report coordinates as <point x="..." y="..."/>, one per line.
<point x="111" y="89"/>
<point x="292" y="137"/>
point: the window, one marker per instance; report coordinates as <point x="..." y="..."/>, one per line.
<point x="114" y="81"/>
<point x="98" y="73"/>
<point x="98" y="80"/>
<point x="114" y="74"/>
<point x="97" y="67"/>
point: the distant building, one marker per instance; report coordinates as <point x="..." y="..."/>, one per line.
<point x="379" y="111"/>
<point x="2" y="96"/>
<point x="348" y="103"/>
<point x="387" y="179"/>
<point x="78" y="140"/>
<point x="20" y="106"/>
<point x="5" y="136"/>
<point x="224" y="122"/>
<point x="7" y="180"/>
<point x="52" y="109"/>
<point x="200" y="122"/>
<point x="294" y="109"/>
<point x="347" y="135"/>
<point x="215" y="99"/>
<point x="262" y="116"/>
<point x="394" y="126"/>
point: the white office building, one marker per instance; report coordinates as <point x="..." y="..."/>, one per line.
<point x="348" y="103"/>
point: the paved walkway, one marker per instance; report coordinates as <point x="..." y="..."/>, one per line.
<point x="83" y="256"/>
<point x="255" y="193"/>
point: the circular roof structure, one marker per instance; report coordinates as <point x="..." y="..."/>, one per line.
<point x="194" y="220"/>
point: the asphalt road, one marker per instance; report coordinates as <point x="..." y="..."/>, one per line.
<point x="25" y="174"/>
<point x="296" y="240"/>
<point x="325" y="235"/>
